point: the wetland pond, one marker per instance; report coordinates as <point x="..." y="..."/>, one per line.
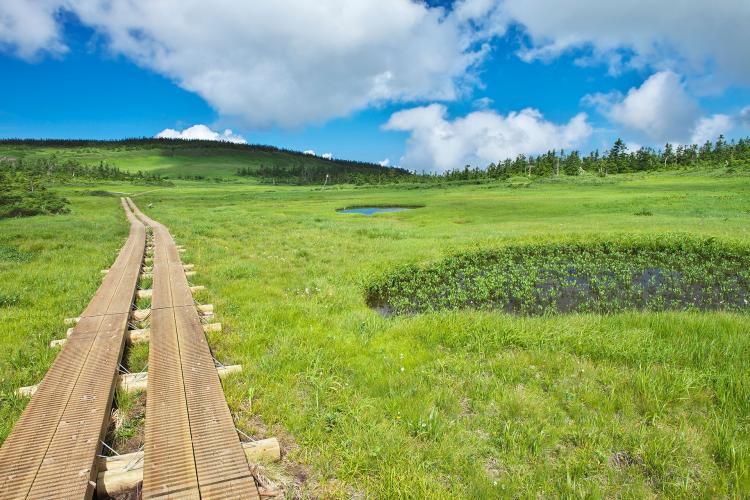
<point x="372" y="210"/>
<point x="656" y="274"/>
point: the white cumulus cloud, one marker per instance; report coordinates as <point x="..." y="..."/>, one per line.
<point x="709" y="41"/>
<point x="201" y="132"/>
<point x="710" y="127"/>
<point x="294" y="62"/>
<point x="29" y="27"/>
<point x="278" y="62"/>
<point x="438" y="143"/>
<point x="744" y="116"/>
<point x="384" y="163"/>
<point x="309" y="152"/>
<point x="327" y="156"/>
<point x="661" y="110"/>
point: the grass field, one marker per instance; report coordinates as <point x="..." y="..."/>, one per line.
<point x="473" y="404"/>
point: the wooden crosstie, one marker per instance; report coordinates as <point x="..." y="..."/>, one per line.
<point x="51" y="452"/>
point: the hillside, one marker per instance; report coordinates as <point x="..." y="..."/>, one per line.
<point x="181" y="158"/>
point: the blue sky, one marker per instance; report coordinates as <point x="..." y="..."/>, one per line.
<point x="426" y="86"/>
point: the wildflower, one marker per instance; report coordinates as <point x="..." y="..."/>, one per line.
<point x="402" y="368"/>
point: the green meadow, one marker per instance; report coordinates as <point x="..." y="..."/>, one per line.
<point x="455" y="403"/>
<point x="184" y="160"/>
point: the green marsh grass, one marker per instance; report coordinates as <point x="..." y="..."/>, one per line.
<point x="473" y="404"/>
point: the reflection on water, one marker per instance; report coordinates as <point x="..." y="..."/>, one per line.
<point x="371" y="210"/>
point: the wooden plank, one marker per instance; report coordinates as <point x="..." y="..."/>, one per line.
<point x="222" y="469"/>
<point x="24" y="449"/>
<point x="69" y="464"/>
<point x="170" y="467"/>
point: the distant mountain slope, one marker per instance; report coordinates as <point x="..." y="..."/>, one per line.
<point x="184" y="158"/>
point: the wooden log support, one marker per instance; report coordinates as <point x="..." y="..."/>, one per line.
<point x="104" y="271"/>
<point x="188" y="267"/>
<point x="72" y="321"/>
<point x="121" y="474"/>
<point x="140" y="314"/>
<point x="205" y="308"/>
<point x="134" y="337"/>
<point x="131" y="382"/>
<point x="212" y="327"/>
<point x="197" y="288"/>
<point x="57" y="342"/>
<point x="27" y="391"/>
<point x="144" y="294"/>
<point x="262" y="450"/>
<point x="139" y="336"/>
<point x="147" y="275"/>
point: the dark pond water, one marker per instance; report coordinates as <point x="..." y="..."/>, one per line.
<point x="371" y="210"/>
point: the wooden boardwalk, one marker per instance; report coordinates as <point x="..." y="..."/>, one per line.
<point x="51" y="452"/>
<point x="192" y="449"/>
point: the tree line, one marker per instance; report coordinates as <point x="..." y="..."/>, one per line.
<point x="338" y="172"/>
<point x="615" y="160"/>
<point x="51" y="169"/>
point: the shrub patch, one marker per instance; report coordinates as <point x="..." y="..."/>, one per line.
<point x="665" y="273"/>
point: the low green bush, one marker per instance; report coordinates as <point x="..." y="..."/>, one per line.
<point x="652" y="273"/>
<point x="22" y="196"/>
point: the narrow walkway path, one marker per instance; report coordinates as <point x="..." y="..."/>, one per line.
<point x="51" y="452"/>
<point x="191" y="448"/>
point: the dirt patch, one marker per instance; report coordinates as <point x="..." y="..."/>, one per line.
<point x="623" y="459"/>
<point x="136" y="494"/>
<point x="493" y="470"/>
<point x="127" y="431"/>
<point x="285" y="479"/>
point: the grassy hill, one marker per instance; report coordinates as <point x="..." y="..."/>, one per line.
<point x="172" y="157"/>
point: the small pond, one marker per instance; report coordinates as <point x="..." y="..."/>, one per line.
<point x="372" y="210"/>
